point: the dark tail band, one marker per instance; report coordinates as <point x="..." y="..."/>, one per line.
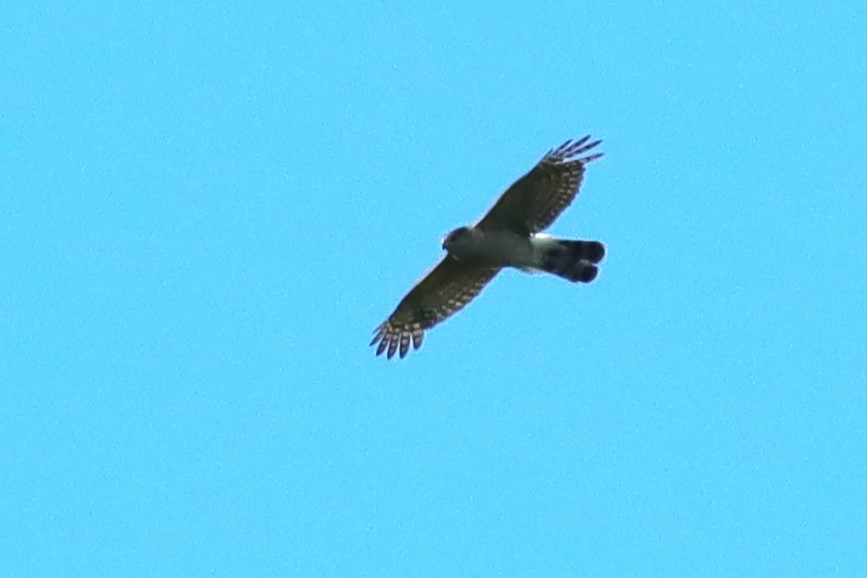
<point x="574" y="260"/>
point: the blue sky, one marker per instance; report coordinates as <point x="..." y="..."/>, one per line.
<point x="207" y="208"/>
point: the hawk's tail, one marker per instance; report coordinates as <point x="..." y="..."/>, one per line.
<point x="572" y="260"/>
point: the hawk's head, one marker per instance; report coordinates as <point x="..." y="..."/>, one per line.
<point x="456" y="239"/>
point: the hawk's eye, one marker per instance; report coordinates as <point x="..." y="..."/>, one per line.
<point x="457" y="234"/>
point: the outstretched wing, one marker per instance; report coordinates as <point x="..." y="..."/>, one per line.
<point x="443" y="292"/>
<point x="533" y="202"/>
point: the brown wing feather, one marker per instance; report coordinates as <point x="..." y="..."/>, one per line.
<point x="443" y="292"/>
<point x="533" y="202"/>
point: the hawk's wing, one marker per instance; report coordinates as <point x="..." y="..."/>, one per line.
<point x="443" y="292"/>
<point x="533" y="202"/>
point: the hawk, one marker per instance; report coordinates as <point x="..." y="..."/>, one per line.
<point x="507" y="236"/>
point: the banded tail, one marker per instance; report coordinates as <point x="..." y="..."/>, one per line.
<point x="572" y="260"/>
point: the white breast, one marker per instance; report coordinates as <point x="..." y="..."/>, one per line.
<point x="497" y="248"/>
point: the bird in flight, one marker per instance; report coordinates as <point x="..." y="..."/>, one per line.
<point x="507" y="236"/>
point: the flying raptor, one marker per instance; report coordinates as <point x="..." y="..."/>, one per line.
<point x="507" y="236"/>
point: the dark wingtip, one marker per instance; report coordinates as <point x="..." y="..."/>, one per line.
<point x="581" y="140"/>
<point x="377" y="333"/>
<point x="382" y="345"/>
<point x="572" y="149"/>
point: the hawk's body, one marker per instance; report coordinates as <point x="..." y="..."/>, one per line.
<point x="507" y="236"/>
<point x="496" y="248"/>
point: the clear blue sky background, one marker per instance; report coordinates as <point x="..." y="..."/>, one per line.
<point x="205" y="209"/>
